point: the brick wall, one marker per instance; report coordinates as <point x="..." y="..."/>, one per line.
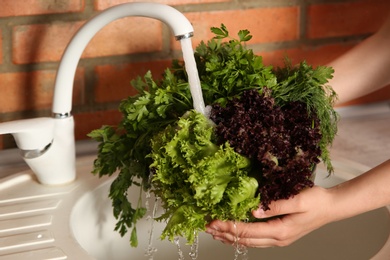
<point x="34" y="33"/>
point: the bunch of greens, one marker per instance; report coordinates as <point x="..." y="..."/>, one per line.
<point x="267" y="123"/>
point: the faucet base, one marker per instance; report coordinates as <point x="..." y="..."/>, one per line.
<point x="57" y="165"/>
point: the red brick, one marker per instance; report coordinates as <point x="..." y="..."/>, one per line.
<point x="47" y="42"/>
<point x="41" y="42"/>
<point x="276" y="24"/>
<point x="126" y="36"/>
<point x="113" y="81"/>
<point x="103" y="4"/>
<point x="86" y="122"/>
<point x="22" y="91"/>
<point x="37" y="7"/>
<point x="346" y="18"/>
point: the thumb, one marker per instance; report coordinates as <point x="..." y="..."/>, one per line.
<point x="277" y="208"/>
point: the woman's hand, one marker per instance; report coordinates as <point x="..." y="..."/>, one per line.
<point x="298" y="216"/>
<point x="309" y="210"/>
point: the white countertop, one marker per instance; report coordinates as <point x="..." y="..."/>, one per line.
<point x="364" y="134"/>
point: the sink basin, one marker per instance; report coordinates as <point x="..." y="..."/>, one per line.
<point x="75" y="221"/>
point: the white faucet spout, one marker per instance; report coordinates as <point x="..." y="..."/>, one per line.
<point x="179" y="24"/>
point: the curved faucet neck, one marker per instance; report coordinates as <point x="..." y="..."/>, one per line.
<point x="62" y="102"/>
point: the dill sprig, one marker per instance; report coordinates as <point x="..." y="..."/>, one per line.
<point x="309" y="85"/>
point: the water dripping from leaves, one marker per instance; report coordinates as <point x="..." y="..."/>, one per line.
<point x="179" y="250"/>
<point x="147" y="202"/>
<point x="194" y="251"/>
<point x="151" y="250"/>
<point x="148" y="194"/>
<point x="240" y="251"/>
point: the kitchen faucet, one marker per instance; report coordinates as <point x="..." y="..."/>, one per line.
<point x="47" y="144"/>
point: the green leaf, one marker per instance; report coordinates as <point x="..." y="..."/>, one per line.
<point x="244" y="35"/>
<point x="220" y="32"/>
<point x="133" y="237"/>
<point x="138" y="84"/>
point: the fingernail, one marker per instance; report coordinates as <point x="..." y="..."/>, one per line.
<point x="215" y="227"/>
<point x="211" y="229"/>
<point x="259" y="213"/>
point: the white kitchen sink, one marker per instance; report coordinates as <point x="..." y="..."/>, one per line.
<point x="75" y="221"/>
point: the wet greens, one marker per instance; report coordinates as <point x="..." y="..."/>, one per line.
<point x="163" y="146"/>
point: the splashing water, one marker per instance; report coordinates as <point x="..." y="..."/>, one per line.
<point x="194" y="248"/>
<point x="179" y="250"/>
<point x="148" y="195"/>
<point x="151" y="250"/>
<point x="239" y="250"/>
<point x="147" y="203"/>
<point x="193" y="76"/>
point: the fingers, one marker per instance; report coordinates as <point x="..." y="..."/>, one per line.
<point x="247" y="234"/>
<point x="292" y="219"/>
<point x="293" y="205"/>
<point x="247" y="242"/>
<point x="278" y="208"/>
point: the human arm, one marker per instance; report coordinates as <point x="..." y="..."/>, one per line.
<point x="309" y="210"/>
<point x="363" y="69"/>
<point x="360" y="71"/>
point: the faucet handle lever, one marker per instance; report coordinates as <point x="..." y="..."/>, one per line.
<point x="30" y="134"/>
<point x="53" y="162"/>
